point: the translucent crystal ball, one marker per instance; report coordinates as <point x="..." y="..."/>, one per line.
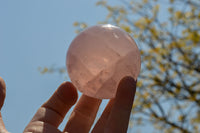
<point x="99" y="57"/>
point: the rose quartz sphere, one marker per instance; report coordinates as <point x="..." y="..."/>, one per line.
<point x="99" y="57"/>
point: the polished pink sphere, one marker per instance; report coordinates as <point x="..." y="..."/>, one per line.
<point x="99" y="57"/>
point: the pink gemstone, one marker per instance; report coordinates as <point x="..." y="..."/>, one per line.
<point x="99" y="57"/>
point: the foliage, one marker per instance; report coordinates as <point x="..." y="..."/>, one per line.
<point x="168" y="35"/>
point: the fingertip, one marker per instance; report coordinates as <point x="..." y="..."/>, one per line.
<point x="128" y="80"/>
<point x="127" y="83"/>
<point x="68" y="93"/>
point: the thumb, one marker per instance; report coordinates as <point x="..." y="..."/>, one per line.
<point x="2" y="98"/>
<point x="2" y="92"/>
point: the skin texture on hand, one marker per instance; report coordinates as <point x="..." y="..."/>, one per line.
<point x="49" y="116"/>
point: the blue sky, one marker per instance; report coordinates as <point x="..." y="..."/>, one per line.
<point x="36" y="33"/>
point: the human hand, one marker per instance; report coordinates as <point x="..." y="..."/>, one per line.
<point x="114" y="119"/>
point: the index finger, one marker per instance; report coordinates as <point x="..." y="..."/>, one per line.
<point x="54" y="110"/>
